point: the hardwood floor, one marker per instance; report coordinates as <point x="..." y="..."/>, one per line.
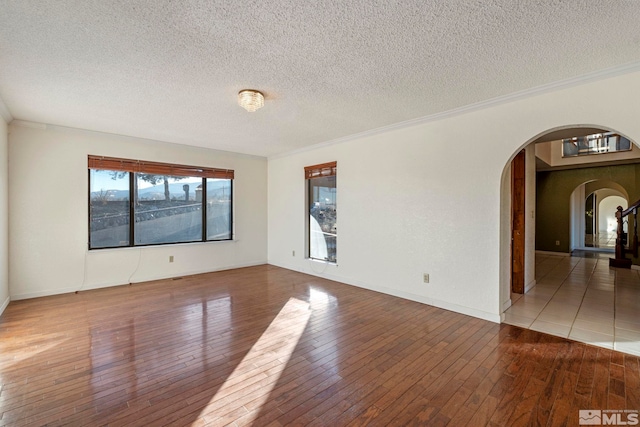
<point x="268" y="346"/>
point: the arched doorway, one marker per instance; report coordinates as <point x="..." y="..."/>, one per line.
<point x="556" y="236"/>
<point x="605" y="222"/>
<point x="591" y="209"/>
<point x="577" y="295"/>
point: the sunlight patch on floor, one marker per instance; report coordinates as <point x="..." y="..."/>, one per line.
<point x="248" y="387"/>
<point x="15" y="350"/>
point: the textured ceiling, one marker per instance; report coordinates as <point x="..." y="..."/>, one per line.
<point x="170" y="70"/>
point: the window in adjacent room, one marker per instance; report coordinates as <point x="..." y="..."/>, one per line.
<point x="168" y="203"/>
<point x="598" y="143"/>
<point x="322" y="211"/>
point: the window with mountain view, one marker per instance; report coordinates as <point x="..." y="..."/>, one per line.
<point x="109" y="208"/>
<point x="168" y="203"/>
<point x="322" y="224"/>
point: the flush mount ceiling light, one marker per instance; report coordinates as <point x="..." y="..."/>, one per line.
<point x="250" y="99"/>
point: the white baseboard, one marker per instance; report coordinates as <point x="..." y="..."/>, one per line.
<point x="29" y="295"/>
<point x="47" y="293"/>
<point x="204" y="271"/>
<point x="506" y="305"/>
<point x="469" y="311"/>
<point x="607" y="250"/>
<point x="553" y="253"/>
<point x="530" y="286"/>
<point x="4" y="305"/>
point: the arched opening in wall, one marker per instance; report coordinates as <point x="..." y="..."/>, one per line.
<point x="593" y="207"/>
<point x="572" y="186"/>
<point x="606" y="222"/>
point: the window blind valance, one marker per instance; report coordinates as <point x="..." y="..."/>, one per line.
<point x="156" y="168"/>
<point x="321" y="170"/>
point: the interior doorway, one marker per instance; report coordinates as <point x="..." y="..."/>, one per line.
<point x="570" y="293"/>
<point x="590" y="221"/>
<point x="605" y="222"/>
<point x="518" y="222"/>
<point x="593" y="207"/>
<point x="555" y="225"/>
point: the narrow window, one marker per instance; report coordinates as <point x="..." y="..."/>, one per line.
<point x="218" y="209"/>
<point x="138" y="203"/>
<point x="322" y="226"/>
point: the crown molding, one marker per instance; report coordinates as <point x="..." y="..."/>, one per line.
<point x="4" y="111"/>
<point x="59" y="128"/>
<point x="29" y="124"/>
<point x="595" y="76"/>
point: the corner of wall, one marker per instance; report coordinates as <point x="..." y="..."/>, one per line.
<point x="4" y="305"/>
<point x="4" y="215"/>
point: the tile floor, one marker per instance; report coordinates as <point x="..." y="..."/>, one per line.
<point x="606" y="240"/>
<point x="581" y="298"/>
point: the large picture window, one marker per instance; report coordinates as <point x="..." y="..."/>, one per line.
<point x="321" y="197"/>
<point x="168" y="203"/>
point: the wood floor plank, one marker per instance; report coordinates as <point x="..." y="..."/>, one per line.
<point x="632" y="381"/>
<point x="365" y="372"/>
<point x="587" y="371"/>
<point x="268" y="346"/>
<point x="600" y="393"/>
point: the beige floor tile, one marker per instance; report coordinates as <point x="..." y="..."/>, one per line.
<point x="595" y="317"/>
<point x="627" y="335"/>
<point x="520" y="310"/>
<point x="583" y="299"/>
<point x="560" y="309"/>
<point x="605" y="327"/>
<point x="551" y="328"/>
<point x="600" y="310"/>
<point x="568" y="299"/>
<point x="516" y="320"/>
<point x="629" y="317"/>
<point x="630" y="326"/>
<point x="591" y="337"/>
<point x="566" y="319"/>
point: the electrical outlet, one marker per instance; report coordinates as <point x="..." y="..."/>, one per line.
<point x="557" y="242"/>
<point x="425" y="277"/>
<point x="170" y="258"/>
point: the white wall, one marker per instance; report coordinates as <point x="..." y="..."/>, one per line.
<point x="543" y="151"/>
<point x="577" y="213"/>
<point x="607" y="207"/>
<point x="426" y="198"/>
<point x="4" y="217"/>
<point x="505" y="235"/>
<point x="48" y="213"/>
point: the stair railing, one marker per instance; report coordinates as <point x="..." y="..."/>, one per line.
<point x="621" y="260"/>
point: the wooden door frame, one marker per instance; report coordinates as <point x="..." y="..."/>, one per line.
<point x="518" y="217"/>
